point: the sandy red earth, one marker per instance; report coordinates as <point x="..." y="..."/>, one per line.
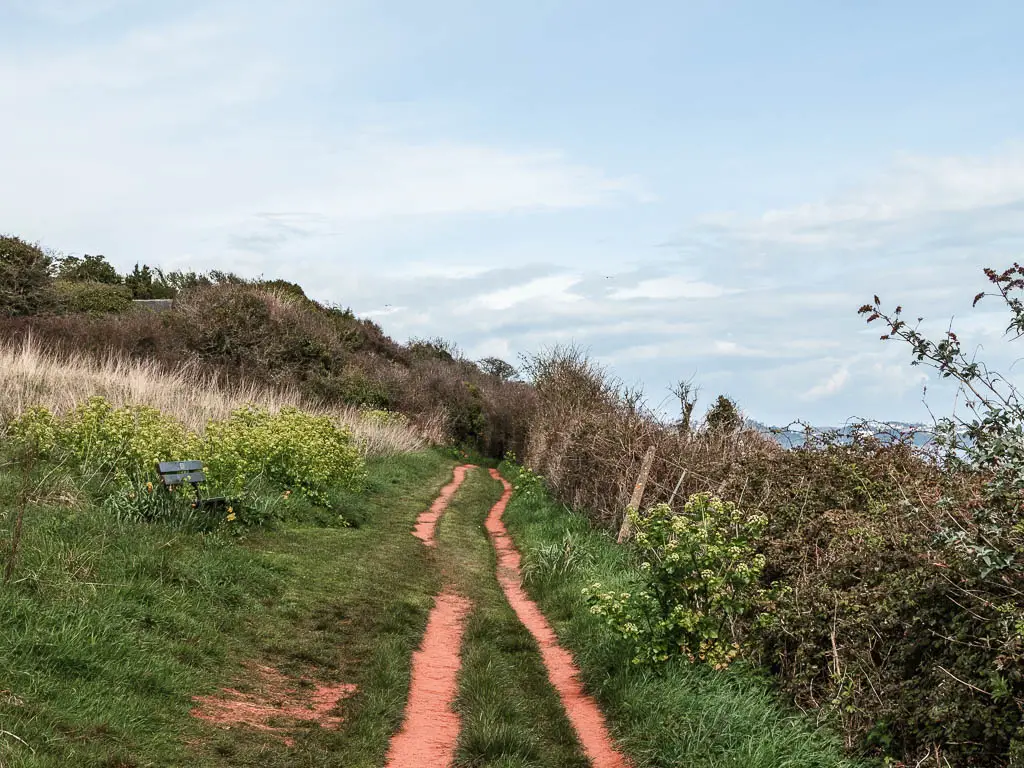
<point x="274" y="698"/>
<point x="431" y="728"/>
<point x="426" y="523"/>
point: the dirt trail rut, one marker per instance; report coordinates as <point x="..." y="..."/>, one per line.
<point x="582" y="710"/>
<point x="426" y="523"/>
<point x="430" y="730"/>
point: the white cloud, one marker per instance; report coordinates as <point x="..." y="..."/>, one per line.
<point x="549" y="291"/>
<point x="830" y="386"/>
<point x="912" y="189"/>
<point x="183" y="132"/>
<point x="670" y="287"/>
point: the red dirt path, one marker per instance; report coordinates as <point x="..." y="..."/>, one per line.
<point x="275" y="698"/>
<point x="431" y="728"/>
<point x="582" y="710"/>
<point x="426" y="523"/>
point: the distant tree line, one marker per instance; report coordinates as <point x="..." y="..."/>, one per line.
<point x="33" y="280"/>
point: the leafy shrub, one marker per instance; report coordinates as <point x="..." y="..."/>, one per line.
<point x="89" y="296"/>
<point x="24" y="277"/>
<point x="383" y="417"/>
<point x="724" y="416"/>
<point x="147" y="283"/>
<point x="253" y="447"/>
<point x="124" y="442"/>
<point x="291" y="449"/>
<point x="495" y="366"/>
<point x="699" y="574"/>
<point x="87" y="269"/>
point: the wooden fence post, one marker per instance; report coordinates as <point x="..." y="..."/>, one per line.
<point x="626" y="529"/>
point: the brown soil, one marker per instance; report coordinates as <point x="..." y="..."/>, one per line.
<point x="274" y="698"/>
<point x="431" y="728"/>
<point x="582" y="710"/>
<point x="426" y="523"/>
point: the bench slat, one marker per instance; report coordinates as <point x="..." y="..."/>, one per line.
<point x="177" y="478"/>
<point x="178" y="466"/>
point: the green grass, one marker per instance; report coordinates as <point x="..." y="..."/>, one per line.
<point x="682" y="715"/>
<point x="511" y="715"/>
<point x="110" y="628"/>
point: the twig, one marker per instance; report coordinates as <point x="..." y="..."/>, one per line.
<point x="964" y="682"/>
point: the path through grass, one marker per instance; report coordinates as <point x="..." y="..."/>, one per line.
<point x="109" y="629"/>
<point x="680" y="715"/>
<point x="511" y="716"/>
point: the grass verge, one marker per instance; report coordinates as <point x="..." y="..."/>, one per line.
<point x="680" y="715"/>
<point x="109" y="628"/>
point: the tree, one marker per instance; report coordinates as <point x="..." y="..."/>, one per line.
<point x="88" y="269"/>
<point x="25" y="277"/>
<point x="687" y="393"/>
<point x="146" y="283"/>
<point x="495" y="366"/>
<point x="723" y="416"/>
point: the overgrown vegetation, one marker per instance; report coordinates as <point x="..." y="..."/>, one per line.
<point x="698" y="583"/>
<point x="263" y="332"/>
<point x="245" y="455"/>
<point x="880" y="585"/>
<point x="897" y="596"/>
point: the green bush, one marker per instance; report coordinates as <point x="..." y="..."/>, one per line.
<point x="291" y="449"/>
<point x="698" y="583"/>
<point x="253" y="448"/>
<point x="123" y="443"/>
<point x="24" y="277"/>
<point x="72" y="297"/>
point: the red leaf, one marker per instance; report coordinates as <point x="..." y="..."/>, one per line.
<point x="978" y="298"/>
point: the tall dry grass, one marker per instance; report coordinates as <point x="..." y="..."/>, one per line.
<point x="30" y="376"/>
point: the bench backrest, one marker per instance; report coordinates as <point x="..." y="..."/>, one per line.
<point x="178" y="472"/>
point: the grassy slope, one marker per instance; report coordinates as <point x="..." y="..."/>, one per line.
<point x="108" y="629"/>
<point x="511" y="715"/>
<point x="686" y="716"/>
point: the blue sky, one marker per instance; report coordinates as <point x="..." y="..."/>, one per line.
<point x="687" y="189"/>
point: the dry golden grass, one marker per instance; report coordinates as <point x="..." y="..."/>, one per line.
<point x="30" y="376"/>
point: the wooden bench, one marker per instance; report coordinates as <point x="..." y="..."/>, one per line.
<point x="176" y="473"/>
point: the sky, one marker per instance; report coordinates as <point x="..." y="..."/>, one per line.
<point x="688" y="190"/>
